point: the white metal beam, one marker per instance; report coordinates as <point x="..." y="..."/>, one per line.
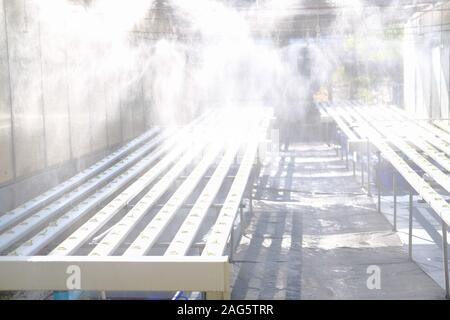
<point x="191" y="225"/>
<point x="21" y="230"/>
<point x="96" y="222"/>
<point x="442" y="124"/>
<point x="217" y="240"/>
<point x="119" y="232"/>
<point x="58" y="226"/>
<point x="55" y="228"/>
<point x="436" y="174"/>
<point x="420" y="131"/>
<point x="150" y="234"/>
<point x="408" y="131"/>
<point x="342" y="125"/>
<point x="433" y="198"/>
<point x="162" y="273"/>
<point x="351" y="123"/>
<point x="114" y="273"/>
<point x="13" y="216"/>
<point x="40" y="201"/>
<point x="445" y="136"/>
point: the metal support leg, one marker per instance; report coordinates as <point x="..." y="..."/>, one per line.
<point x="241" y="217"/>
<point x="368" y="168"/>
<point x="346" y="155"/>
<point x="379" y="181"/>
<point x="221" y="295"/>
<point x="445" y="256"/>
<point x="410" y="224"/>
<point x="251" y="201"/>
<point x="394" y="188"/>
<point x="252" y="185"/>
<point x="354" y="163"/>
<point x="232" y="244"/>
<point x="336" y="139"/>
<point x="258" y="157"/>
<point x="362" y="166"/>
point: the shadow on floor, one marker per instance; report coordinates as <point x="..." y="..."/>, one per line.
<point x="313" y="235"/>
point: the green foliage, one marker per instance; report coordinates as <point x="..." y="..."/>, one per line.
<point x="369" y="61"/>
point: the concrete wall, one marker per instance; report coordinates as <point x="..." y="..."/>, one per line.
<point x="6" y="145"/>
<point x="48" y="117"/>
<point x="427" y="63"/>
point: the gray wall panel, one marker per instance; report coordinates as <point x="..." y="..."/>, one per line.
<point x="97" y="104"/>
<point x="79" y="116"/>
<point x="445" y="66"/>
<point x="126" y="106"/>
<point x="65" y="104"/>
<point x="55" y="90"/>
<point x="112" y="97"/>
<point x="442" y="79"/>
<point x="146" y="90"/>
<point x="79" y="76"/>
<point x="6" y="157"/>
<point x="23" y="39"/>
<point x="426" y="64"/>
<point x="138" y="108"/>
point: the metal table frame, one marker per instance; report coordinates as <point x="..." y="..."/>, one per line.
<point x="101" y="210"/>
<point x="395" y="135"/>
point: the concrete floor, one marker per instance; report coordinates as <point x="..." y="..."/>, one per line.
<point x="427" y="233"/>
<point x="314" y="234"/>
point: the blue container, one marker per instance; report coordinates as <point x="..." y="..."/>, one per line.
<point x="386" y="176"/>
<point x="67" y="295"/>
